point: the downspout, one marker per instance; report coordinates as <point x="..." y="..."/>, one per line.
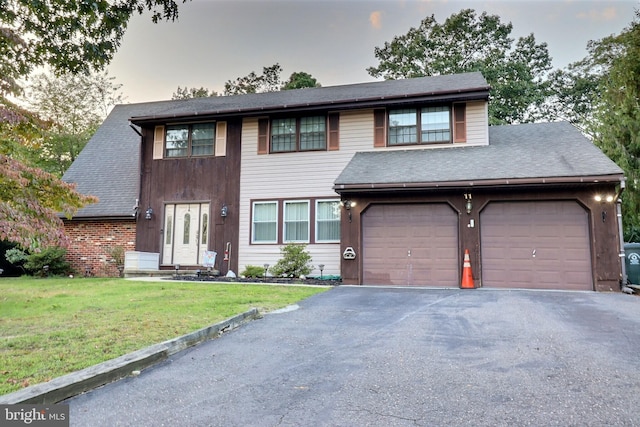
<point x="622" y="254"/>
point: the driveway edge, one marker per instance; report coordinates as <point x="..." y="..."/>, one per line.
<point x="89" y="378"/>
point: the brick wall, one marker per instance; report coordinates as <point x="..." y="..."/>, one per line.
<point x="92" y="241"/>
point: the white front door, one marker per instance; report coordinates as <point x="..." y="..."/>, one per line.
<point x="186" y="233"/>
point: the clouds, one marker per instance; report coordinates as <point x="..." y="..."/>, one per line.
<point x="599" y="15"/>
<point x="375" y="18"/>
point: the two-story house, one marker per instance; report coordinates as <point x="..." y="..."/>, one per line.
<point x="388" y="183"/>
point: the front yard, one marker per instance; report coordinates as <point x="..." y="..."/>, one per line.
<point x="51" y="327"/>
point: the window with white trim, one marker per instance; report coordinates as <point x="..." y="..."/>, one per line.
<point x="264" y="224"/>
<point x="327" y="221"/>
<point x="296" y="222"/>
<point x="190" y="140"/>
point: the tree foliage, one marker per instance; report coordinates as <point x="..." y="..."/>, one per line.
<point x="617" y="114"/>
<point x="73" y="36"/>
<point x="192" y="92"/>
<point x="299" y="80"/>
<point x="467" y="42"/>
<point x="269" y="81"/>
<point x="73" y="106"/>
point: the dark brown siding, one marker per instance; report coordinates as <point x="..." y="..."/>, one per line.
<point x="215" y="180"/>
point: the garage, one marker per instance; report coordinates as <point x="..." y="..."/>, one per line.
<point x="536" y="245"/>
<point x="410" y="245"/>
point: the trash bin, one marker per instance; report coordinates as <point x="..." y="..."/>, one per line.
<point x="632" y="262"/>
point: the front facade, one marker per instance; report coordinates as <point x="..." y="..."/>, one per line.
<point x="387" y="183"/>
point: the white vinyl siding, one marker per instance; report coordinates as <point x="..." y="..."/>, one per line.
<point x="296" y="176"/>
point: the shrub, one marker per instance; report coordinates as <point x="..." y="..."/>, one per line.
<point x="253" y="271"/>
<point x="54" y="257"/>
<point x="295" y="261"/>
<point x="16" y="257"/>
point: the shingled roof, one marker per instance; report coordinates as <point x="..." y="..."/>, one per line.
<point x="108" y="167"/>
<point x="536" y="153"/>
<point x="361" y="95"/>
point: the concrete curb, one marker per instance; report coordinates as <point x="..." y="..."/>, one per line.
<point x="89" y="378"/>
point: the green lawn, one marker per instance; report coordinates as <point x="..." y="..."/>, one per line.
<point x="50" y="327"/>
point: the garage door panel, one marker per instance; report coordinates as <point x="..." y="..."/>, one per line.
<point x="412" y="244"/>
<point x="535" y="245"/>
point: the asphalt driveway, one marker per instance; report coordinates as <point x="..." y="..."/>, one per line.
<point x="358" y="356"/>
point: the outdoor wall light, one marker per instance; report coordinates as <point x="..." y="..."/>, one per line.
<point x="600" y="198"/>
<point x="224" y="211"/>
<point x="148" y="213"/>
<point x="468" y="204"/>
<point x="348" y="204"/>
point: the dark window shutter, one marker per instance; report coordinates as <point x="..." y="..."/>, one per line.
<point x="379" y="128"/>
<point x="263" y="136"/>
<point x="460" y="123"/>
<point x="334" y="134"/>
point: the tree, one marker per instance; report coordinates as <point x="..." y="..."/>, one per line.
<point x="300" y="80"/>
<point x="188" y="93"/>
<point x="617" y="114"/>
<point x="70" y="36"/>
<point x="74" y="106"/>
<point x="466" y="42"/>
<point x="269" y="81"/>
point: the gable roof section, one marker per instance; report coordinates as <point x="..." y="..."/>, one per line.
<point x="536" y="153"/>
<point x="108" y="167"/>
<point x="362" y="95"/>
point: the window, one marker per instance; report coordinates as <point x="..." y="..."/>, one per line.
<point x="296" y="222"/>
<point x="327" y="221"/>
<point x="265" y="222"/>
<point x="296" y="219"/>
<point x="190" y="140"/>
<point x="186" y="235"/>
<point x="298" y="134"/>
<point x="434" y="124"/>
<point x="205" y="228"/>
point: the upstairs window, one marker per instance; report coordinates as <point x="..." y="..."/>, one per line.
<point x="420" y="125"/>
<point x="298" y="134"/>
<point x="425" y="125"/>
<point x="190" y="140"/>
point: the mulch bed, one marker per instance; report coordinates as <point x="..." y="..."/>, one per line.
<point x="269" y="280"/>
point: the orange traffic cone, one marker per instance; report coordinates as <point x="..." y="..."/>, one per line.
<point x="467" y="276"/>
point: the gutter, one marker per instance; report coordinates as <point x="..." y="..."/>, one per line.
<point x="466" y="184"/>
<point x="622" y="254"/>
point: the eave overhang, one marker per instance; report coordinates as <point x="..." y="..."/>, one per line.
<point x="504" y="183"/>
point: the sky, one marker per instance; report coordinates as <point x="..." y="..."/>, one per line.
<point x="214" y="41"/>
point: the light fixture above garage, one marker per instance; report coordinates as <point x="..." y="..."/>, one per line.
<point x="606" y="198"/>
<point x="468" y="204"/>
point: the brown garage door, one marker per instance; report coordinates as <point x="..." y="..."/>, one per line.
<point x="411" y="244"/>
<point x="538" y="245"/>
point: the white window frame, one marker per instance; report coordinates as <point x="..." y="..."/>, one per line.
<point x="253" y="223"/>
<point x="284" y="221"/>
<point x="318" y="220"/>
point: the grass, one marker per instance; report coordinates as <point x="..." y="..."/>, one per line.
<point x="51" y="327"/>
